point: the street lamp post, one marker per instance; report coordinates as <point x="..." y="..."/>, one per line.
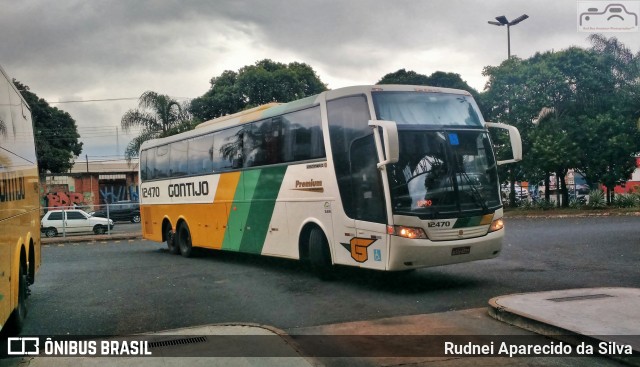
<point x="501" y="21"/>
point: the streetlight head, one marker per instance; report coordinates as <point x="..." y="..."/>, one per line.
<point x="502" y="19"/>
<point x="519" y="19"/>
<point x="495" y="23"/>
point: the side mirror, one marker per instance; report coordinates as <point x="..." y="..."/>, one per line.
<point x="514" y="138"/>
<point x="388" y="147"/>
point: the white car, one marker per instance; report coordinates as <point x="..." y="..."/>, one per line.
<point x="72" y="221"/>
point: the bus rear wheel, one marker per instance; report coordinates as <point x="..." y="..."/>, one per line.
<point x="171" y="240"/>
<point x="319" y="255"/>
<point x="184" y="240"/>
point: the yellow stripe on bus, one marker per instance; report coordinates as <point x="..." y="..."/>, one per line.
<point x="222" y="202"/>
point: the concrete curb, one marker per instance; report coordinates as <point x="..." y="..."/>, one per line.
<point x="279" y="332"/>
<point x="546" y="327"/>
<point x="91" y="238"/>
<point x="512" y="214"/>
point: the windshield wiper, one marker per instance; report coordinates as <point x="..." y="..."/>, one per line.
<point x="475" y="193"/>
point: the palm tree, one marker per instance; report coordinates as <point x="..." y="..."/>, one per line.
<point x="158" y="115"/>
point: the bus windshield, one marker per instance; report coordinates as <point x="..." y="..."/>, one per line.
<point x="419" y="108"/>
<point x="444" y="172"/>
<point x="446" y="165"/>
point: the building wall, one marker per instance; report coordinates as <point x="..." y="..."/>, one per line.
<point x="88" y="190"/>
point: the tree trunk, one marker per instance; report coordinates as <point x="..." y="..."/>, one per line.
<point x="557" y="190"/>
<point x="563" y="187"/>
<point x="512" y="190"/>
<point x="547" y="190"/>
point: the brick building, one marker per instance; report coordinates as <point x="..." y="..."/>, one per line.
<point x="92" y="183"/>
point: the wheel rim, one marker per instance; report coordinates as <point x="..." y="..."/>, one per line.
<point x="185" y="239"/>
<point x="171" y="238"/>
<point x="50" y="233"/>
<point x="136" y="219"/>
<point x="22" y="297"/>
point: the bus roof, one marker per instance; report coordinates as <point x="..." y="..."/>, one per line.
<point x="14" y="87"/>
<point x="275" y="109"/>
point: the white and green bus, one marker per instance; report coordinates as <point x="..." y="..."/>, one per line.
<point x="385" y="177"/>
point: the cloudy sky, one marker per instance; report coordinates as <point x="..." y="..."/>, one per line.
<point x="94" y="50"/>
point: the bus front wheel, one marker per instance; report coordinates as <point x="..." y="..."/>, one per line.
<point x="20" y="313"/>
<point x="319" y="255"/>
<point x="184" y="240"/>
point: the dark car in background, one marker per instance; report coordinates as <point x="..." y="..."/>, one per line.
<point x="125" y="210"/>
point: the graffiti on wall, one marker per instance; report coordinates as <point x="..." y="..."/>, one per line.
<point x="133" y="192"/>
<point x="113" y="193"/>
<point x="64" y="199"/>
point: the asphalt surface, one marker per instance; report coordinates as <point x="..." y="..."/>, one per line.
<point x="533" y="313"/>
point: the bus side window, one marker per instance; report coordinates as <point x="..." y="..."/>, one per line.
<point x="151" y="164"/>
<point x="347" y="123"/>
<point x="178" y="161"/>
<point x="143" y="165"/>
<point x="201" y="155"/>
<point x="227" y="149"/>
<point x="365" y="177"/>
<point x="162" y="162"/>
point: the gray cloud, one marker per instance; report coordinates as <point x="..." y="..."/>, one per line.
<point x="108" y="49"/>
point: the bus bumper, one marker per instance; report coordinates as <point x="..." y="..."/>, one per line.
<point x="405" y="253"/>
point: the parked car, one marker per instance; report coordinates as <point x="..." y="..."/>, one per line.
<point x="72" y="221"/>
<point x="521" y="193"/>
<point x="125" y="210"/>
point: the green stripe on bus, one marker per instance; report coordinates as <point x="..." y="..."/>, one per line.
<point x="467" y="222"/>
<point x="252" y="209"/>
<point x="261" y="209"/>
<point x="239" y="212"/>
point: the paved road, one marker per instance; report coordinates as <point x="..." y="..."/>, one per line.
<point x="130" y="287"/>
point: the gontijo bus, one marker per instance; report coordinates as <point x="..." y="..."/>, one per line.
<point x="19" y="206"/>
<point x="384" y="177"/>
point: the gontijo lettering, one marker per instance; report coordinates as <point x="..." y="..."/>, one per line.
<point x="189" y="189"/>
<point x="12" y="187"/>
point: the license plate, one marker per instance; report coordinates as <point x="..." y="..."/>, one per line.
<point x="460" y="250"/>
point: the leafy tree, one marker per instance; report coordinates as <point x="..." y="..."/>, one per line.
<point x="437" y="79"/>
<point x="587" y="96"/>
<point x="55" y="131"/>
<point x="404" y="77"/>
<point x="253" y="85"/>
<point x="158" y="115"/>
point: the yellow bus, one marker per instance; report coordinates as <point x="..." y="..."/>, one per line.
<point x="385" y="177"/>
<point x="19" y="206"/>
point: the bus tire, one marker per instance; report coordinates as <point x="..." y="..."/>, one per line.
<point x="319" y="255"/>
<point x="184" y="240"/>
<point x="170" y="235"/>
<point x="20" y="313"/>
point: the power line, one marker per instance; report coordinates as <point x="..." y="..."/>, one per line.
<point x="96" y="100"/>
<point x="109" y="100"/>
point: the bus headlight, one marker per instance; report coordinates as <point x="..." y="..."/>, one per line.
<point x="409" y="232"/>
<point x="496" y="225"/>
